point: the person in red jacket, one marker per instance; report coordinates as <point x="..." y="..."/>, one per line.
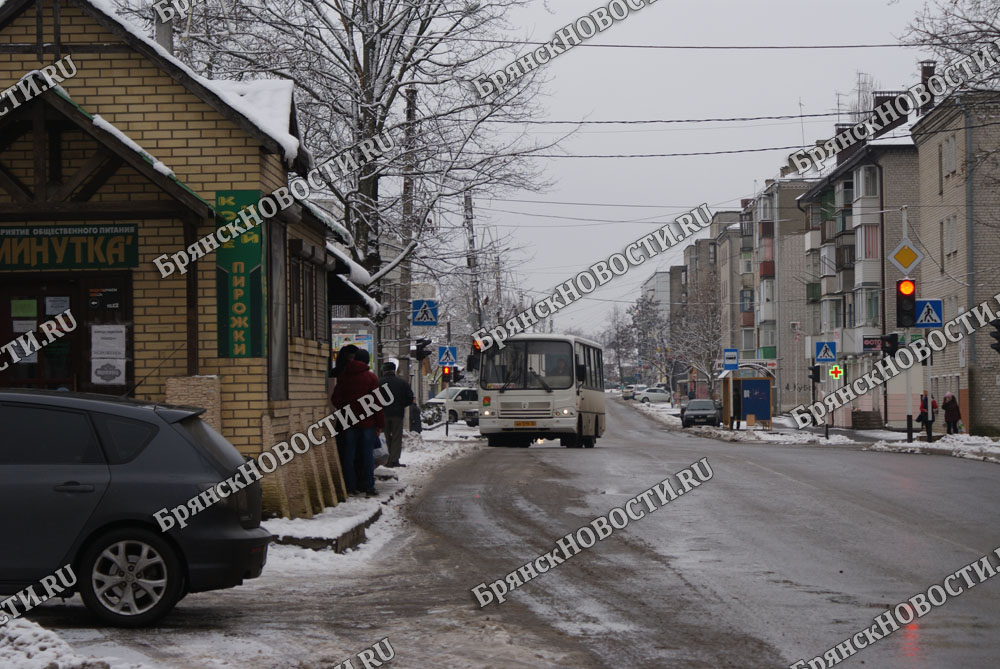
<point x="353" y="383"/>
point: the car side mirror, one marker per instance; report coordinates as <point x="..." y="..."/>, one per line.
<point x="581" y="372"/>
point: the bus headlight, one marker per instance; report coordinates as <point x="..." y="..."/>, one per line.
<point x="565" y="412"/>
<point x="487" y="412"/>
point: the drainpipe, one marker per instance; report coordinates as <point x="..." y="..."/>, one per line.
<point x="883" y="293"/>
<point x="777" y="303"/>
<point x="970" y="247"/>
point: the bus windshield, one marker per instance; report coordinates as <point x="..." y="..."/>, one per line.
<point x="529" y="365"/>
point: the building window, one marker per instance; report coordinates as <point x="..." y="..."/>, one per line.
<point x="746" y="262"/>
<point x="746" y="301"/>
<point x="766" y="249"/>
<point x="866" y="179"/>
<point x="950" y="156"/>
<point x="940" y="169"/>
<point x="867" y="307"/>
<point x="867" y="242"/>
<point x="711" y="254"/>
<point x="768" y="337"/>
<point x="307" y="311"/>
<point x="748" y="340"/>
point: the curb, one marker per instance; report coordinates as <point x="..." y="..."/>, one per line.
<point x="351" y="538"/>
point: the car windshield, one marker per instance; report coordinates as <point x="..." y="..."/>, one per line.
<point x="695" y="405"/>
<point x="447" y="393"/>
<point x="529" y="365"/>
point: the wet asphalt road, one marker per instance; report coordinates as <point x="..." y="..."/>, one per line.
<point x="786" y="552"/>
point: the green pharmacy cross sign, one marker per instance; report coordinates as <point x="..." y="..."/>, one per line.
<point x="835" y="372"/>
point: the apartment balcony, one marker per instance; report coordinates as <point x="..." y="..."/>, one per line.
<point x="830" y="285"/>
<point x="767" y="269"/>
<point x="767" y="228"/>
<point x="814" y="239"/>
<point x="829" y="231"/>
<point x="766" y="312"/>
<point x="867" y="272"/>
<point x="843" y="222"/>
<point x="746" y="281"/>
<point x="767" y="353"/>
<point x="746" y="319"/>
<point x="866" y="211"/>
<point x="813" y="292"/>
<point x="845" y="280"/>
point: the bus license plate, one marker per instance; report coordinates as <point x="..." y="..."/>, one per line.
<point x="524" y="423"/>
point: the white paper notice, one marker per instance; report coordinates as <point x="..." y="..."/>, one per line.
<point x="56" y="305"/>
<point x="107" y="372"/>
<point x="20" y="327"/>
<point x="107" y="342"/>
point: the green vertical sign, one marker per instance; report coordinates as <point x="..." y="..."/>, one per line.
<point x="240" y="281"/>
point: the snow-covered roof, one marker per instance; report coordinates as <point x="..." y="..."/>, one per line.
<point x="252" y="100"/>
<point x="900" y="136"/>
<point x="374" y="308"/>
<point x="359" y="275"/>
<point x="328" y="219"/>
<point x="130" y="143"/>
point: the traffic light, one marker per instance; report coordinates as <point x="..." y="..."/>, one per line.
<point x="996" y="335"/>
<point x="472" y="362"/>
<point x="814" y="373"/>
<point x="446" y="374"/>
<point x="906" y="303"/>
<point x="421" y="352"/>
<point x="457" y="375"/>
<point x="890" y="344"/>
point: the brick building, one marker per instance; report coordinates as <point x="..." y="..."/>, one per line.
<point x="959" y="205"/>
<point x="134" y="156"/>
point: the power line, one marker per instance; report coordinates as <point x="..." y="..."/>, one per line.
<point x="693" y="47"/>
<point x="779" y="117"/>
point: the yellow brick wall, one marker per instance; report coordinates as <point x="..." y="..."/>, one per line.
<point x="207" y="152"/>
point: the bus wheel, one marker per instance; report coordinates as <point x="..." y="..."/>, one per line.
<point x="588" y="442"/>
<point x="524" y="443"/>
<point x="492" y="440"/>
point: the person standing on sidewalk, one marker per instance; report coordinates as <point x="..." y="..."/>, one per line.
<point x="344" y="356"/>
<point x="952" y="414"/>
<point x="928" y="411"/>
<point x="402" y="397"/>
<point x="353" y="383"/>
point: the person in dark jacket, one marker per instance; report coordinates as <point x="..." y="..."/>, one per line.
<point x="344" y="355"/>
<point x="402" y="396"/>
<point x="737" y="407"/>
<point x="952" y="414"/>
<point x="928" y="412"/>
<point x="353" y="383"/>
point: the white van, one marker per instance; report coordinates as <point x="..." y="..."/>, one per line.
<point x="456" y="401"/>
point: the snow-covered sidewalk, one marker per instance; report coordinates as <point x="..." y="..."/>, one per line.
<point x="26" y="645"/>
<point x="956" y="445"/>
<point x="422" y="454"/>
<point x="663" y="413"/>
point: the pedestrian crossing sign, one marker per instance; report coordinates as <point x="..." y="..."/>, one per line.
<point x="447" y="355"/>
<point x="425" y="312"/>
<point x="826" y="351"/>
<point x="930" y="314"/>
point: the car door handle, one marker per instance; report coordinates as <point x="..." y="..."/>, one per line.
<point x="73" y="486"/>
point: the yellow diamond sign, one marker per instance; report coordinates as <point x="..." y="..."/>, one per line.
<point x="906" y="256"/>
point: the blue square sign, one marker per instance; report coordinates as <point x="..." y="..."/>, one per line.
<point x="425" y="312"/>
<point x="930" y="314"/>
<point x="826" y="351"/>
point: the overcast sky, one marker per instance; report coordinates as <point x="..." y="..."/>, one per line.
<point x="639" y="84"/>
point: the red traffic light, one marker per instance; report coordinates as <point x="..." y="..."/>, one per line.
<point x="476" y="346"/>
<point x="906" y="287"/>
<point x="446" y="371"/>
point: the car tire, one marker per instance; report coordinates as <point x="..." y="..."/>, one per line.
<point x="452" y="416"/>
<point x="645" y="400"/>
<point x="107" y="571"/>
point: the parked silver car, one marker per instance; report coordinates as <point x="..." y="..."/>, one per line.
<point x="653" y="395"/>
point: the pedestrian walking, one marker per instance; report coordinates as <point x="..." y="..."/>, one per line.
<point x="402" y="397"/>
<point x="344" y="356"/>
<point x="928" y="411"/>
<point x="952" y="413"/>
<point x="354" y="382"/>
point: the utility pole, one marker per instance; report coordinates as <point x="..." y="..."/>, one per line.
<point x="405" y="292"/>
<point x="496" y="267"/>
<point x="906" y="334"/>
<point x="471" y="261"/>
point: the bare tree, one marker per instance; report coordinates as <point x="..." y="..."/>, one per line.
<point x="698" y="333"/>
<point x="651" y="330"/>
<point x="619" y="338"/>
<point x="352" y="62"/>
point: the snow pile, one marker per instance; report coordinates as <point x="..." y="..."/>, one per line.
<point x="956" y="445"/>
<point x="422" y="454"/>
<point x="663" y="413"/>
<point x="25" y="645"/>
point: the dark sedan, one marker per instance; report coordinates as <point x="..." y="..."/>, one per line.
<point x="80" y="479"/>
<point x="705" y="412"/>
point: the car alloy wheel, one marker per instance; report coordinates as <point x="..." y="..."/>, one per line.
<point x="645" y="400"/>
<point x="133" y="578"/>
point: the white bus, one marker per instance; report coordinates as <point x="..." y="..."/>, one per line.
<point x="542" y="386"/>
